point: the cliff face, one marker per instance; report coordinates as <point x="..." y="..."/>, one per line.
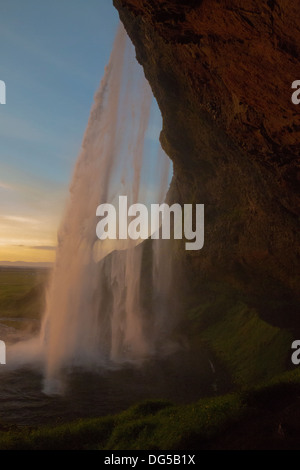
<point x="221" y="73"/>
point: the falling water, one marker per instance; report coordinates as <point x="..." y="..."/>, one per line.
<point x="86" y="324"/>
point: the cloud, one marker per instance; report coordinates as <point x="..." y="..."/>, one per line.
<point x="36" y="247"/>
<point x="6" y="187"/>
<point x="44" y="247"/>
<point x="23" y="220"/>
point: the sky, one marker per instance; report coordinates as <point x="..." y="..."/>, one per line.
<point x="52" y="58"/>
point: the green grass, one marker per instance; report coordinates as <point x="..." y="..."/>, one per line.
<point x="152" y="425"/>
<point x="22" y="293"/>
<point x="244" y="419"/>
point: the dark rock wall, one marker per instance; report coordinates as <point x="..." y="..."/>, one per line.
<point x="221" y="72"/>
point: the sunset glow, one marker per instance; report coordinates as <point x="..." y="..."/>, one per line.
<point x="49" y="92"/>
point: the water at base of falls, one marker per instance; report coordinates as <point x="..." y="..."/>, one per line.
<point x="180" y="378"/>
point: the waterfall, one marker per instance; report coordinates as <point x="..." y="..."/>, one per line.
<point x="84" y="325"/>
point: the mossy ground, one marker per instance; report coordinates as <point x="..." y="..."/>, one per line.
<point x="149" y="425"/>
<point x="242" y="420"/>
<point x="251" y="349"/>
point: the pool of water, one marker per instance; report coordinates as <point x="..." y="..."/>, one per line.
<point x="181" y="378"/>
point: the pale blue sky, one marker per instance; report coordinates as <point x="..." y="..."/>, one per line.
<point x="52" y="58"/>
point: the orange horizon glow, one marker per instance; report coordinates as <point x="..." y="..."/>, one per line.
<point x="27" y="254"/>
<point x="28" y="239"/>
<point x="30" y="215"/>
